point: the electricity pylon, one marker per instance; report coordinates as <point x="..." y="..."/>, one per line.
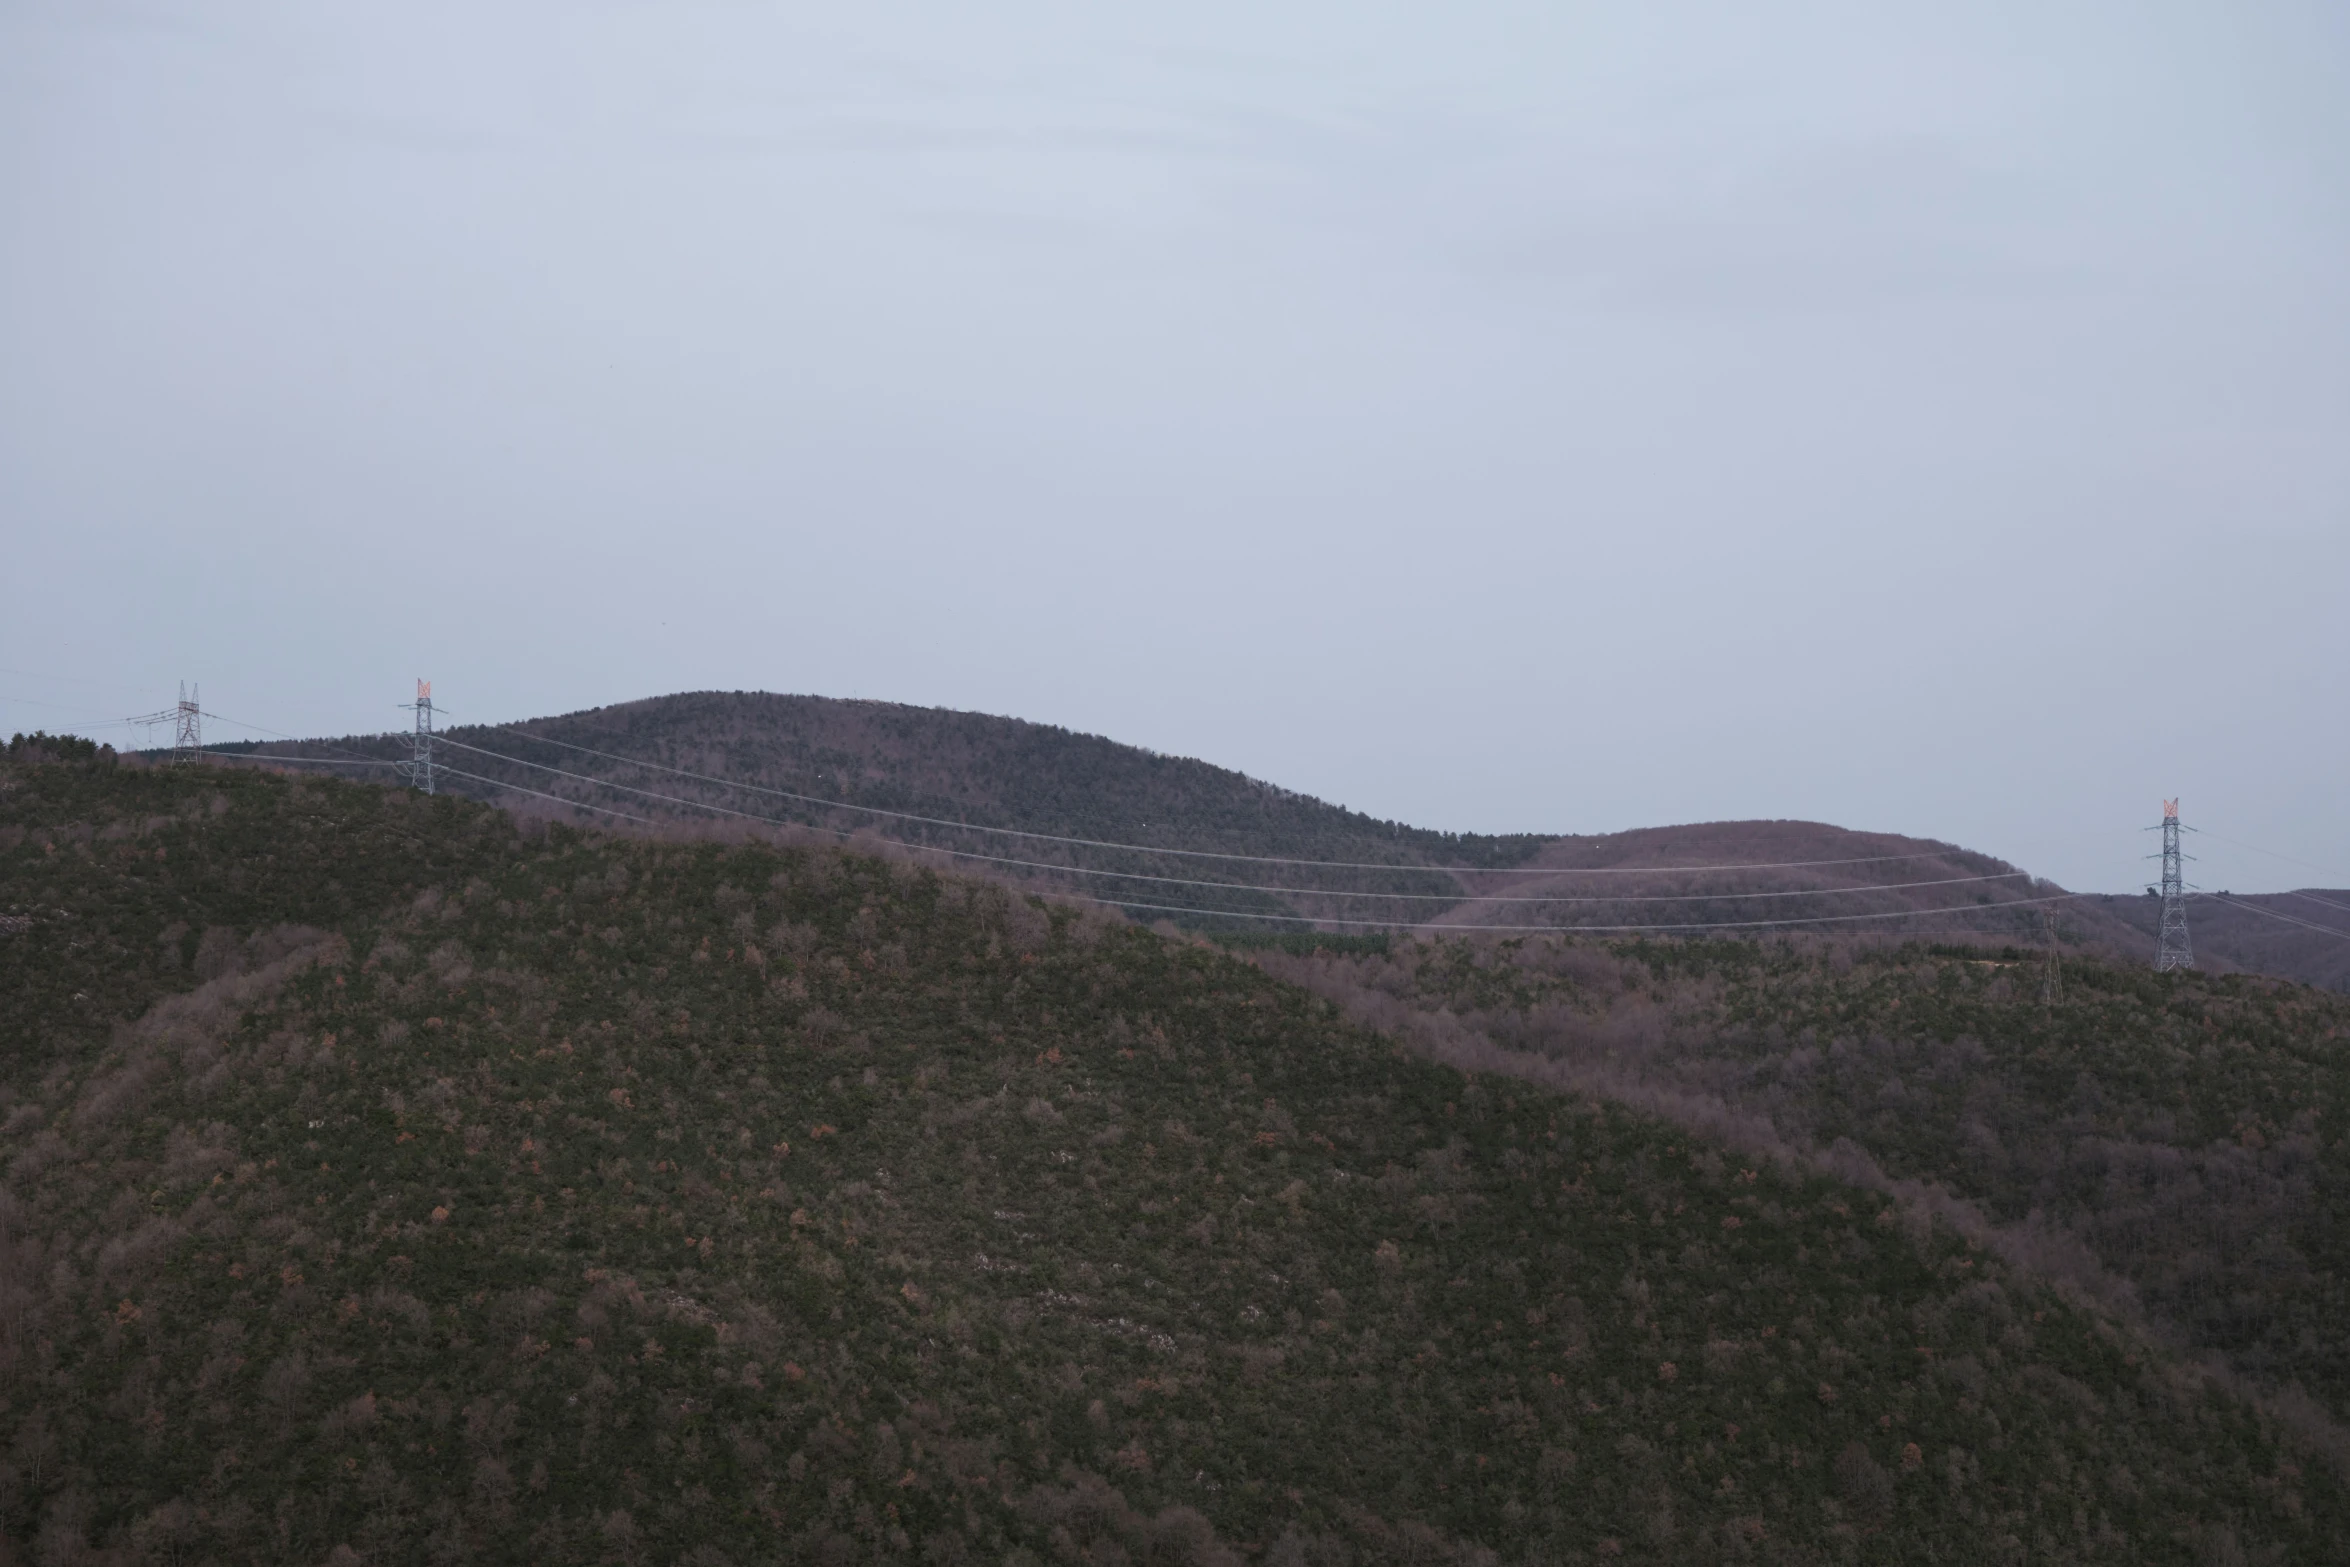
<point x="188" y="735"/>
<point x="187" y="725"/>
<point x="418" y="770"/>
<point x="2172" y="949"/>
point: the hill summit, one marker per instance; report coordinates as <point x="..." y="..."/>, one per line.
<point x="995" y="772"/>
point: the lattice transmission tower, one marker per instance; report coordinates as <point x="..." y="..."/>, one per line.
<point x="187" y="725"/>
<point x="418" y="769"/>
<point x="2172" y="949"/>
<point x="188" y="732"/>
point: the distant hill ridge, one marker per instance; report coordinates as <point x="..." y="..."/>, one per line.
<point x="1006" y="772"/>
<point x="1014" y="775"/>
<point x="977" y="768"/>
<point x="1010" y="773"/>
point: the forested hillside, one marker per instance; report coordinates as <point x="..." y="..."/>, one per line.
<point x="2179" y="1140"/>
<point x="386" y="1181"/>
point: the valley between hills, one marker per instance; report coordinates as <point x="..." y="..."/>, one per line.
<point x="393" y="1178"/>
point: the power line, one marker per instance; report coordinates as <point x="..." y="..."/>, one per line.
<point x="812" y="800"/>
<point x="1199" y="854"/>
<point x="920" y="848"/>
<point x="1817" y="919"/>
<point x="77" y="680"/>
<point x="815" y="800"/>
<point x="1178" y="881"/>
<point x="2312" y="897"/>
<point x="279" y="734"/>
<point x="59" y="707"/>
<point x="542" y="794"/>
<point x="500" y="783"/>
<point x="438" y="767"/>
<point x="1225" y="886"/>
<point x="2306" y="865"/>
<point x="1673" y="897"/>
<point x="275" y="734"/>
<point x="1252" y="914"/>
<point x="2287" y="918"/>
<point x="356" y="761"/>
<point x="307" y="761"/>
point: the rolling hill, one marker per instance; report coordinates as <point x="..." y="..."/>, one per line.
<point x="1048" y="808"/>
<point x="390" y="1179"/>
<point x="957" y="767"/>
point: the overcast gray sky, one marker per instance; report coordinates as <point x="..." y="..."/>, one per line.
<point x="1932" y="417"/>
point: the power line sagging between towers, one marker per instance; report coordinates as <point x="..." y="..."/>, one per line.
<point x="1128" y="887"/>
<point x="1135" y="879"/>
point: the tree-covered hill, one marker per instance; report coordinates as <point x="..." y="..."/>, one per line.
<point x="388" y="1182"/>
<point x="937" y="762"/>
<point x="2187" y="1133"/>
<point x="781" y="758"/>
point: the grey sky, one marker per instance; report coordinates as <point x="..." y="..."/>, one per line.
<point x="1933" y="418"/>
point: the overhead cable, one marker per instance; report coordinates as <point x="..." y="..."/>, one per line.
<point x="2257" y="849"/>
<point x="1197" y="854"/>
<point x="2311" y="897"/>
<point x="308" y="761"/>
<point x="353" y="759"/>
<point x="1225" y="886"/>
<point x="2255" y="908"/>
<point x="1302" y="919"/>
<point x="59" y="707"/>
<point x="1695" y="925"/>
<point x="500" y="783"/>
<point x="1817" y="919"/>
<point x="291" y="739"/>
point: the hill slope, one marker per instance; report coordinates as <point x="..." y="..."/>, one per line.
<point x="386" y="1182"/>
<point x="2186" y="1134"/>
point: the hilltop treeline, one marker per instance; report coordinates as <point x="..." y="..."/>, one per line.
<point x="42" y="746"/>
